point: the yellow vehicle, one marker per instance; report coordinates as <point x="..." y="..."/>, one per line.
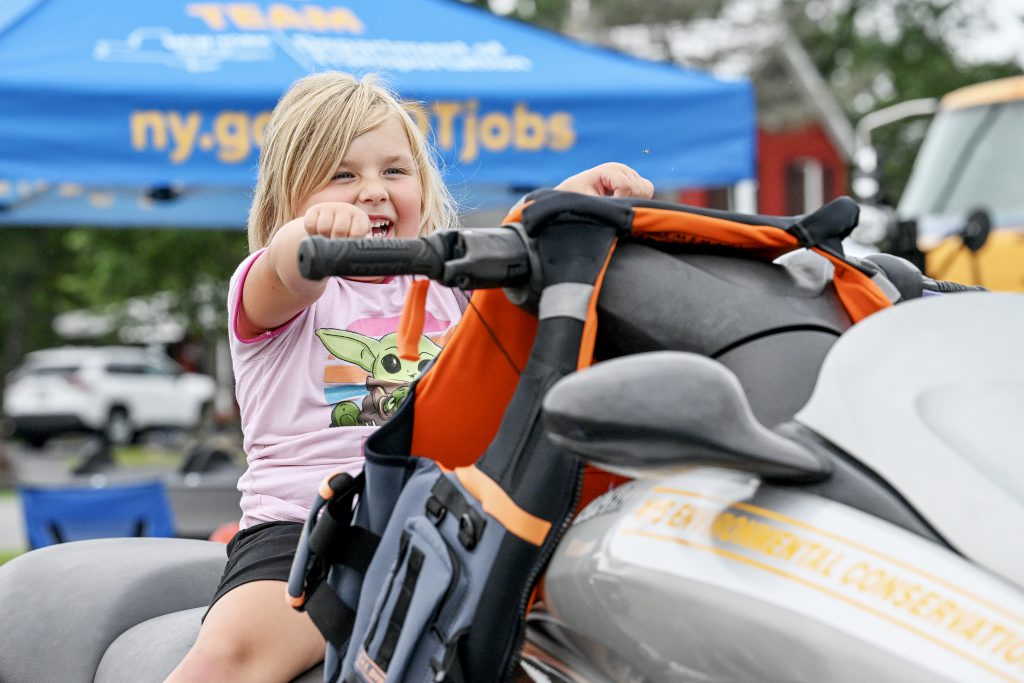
<point x="965" y="195"/>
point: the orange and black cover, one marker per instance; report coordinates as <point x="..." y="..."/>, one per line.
<point x="476" y="411"/>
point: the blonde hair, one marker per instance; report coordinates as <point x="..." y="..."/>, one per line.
<point x="309" y="133"/>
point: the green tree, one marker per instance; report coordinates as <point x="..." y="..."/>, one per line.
<point x="107" y="264"/>
<point x="29" y="261"/>
<point x="875" y="53"/>
<point x="48" y="271"/>
<point x="549" y="14"/>
<point x="618" y="12"/>
<point x="556" y="14"/>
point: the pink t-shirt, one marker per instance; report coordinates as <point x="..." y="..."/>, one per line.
<point x="311" y="391"/>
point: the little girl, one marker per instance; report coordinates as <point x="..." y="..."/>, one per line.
<point x="315" y="363"/>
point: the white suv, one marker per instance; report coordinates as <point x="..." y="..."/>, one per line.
<point x="119" y="391"/>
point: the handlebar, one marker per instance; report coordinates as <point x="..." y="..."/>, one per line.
<point x="471" y="258"/>
<point x="910" y="282"/>
<point x="486" y="258"/>
<point x="320" y="257"/>
<point x="948" y="287"/>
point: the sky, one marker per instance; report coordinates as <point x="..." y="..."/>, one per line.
<point x="1001" y="38"/>
<point x="998" y="36"/>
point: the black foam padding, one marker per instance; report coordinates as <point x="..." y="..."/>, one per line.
<point x="771" y="324"/>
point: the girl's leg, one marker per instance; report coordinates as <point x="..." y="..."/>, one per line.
<point x="251" y="634"/>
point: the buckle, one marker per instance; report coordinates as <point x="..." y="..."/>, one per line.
<point x="470" y="528"/>
<point x="435" y="509"/>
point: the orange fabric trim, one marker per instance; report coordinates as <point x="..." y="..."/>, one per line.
<point x="410" y="327"/>
<point x="859" y="295"/>
<point x="538" y="590"/>
<point x="515" y="214"/>
<point x="589" y="338"/>
<point x="499" y="505"/>
<point x="767" y="242"/>
<point x="472" y="381"/>
<point x="442" y="339"/>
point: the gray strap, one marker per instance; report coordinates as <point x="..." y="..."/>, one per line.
<point x="568" y="299"/>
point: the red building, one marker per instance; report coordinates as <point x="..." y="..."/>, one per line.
<point x="797" y="170"/>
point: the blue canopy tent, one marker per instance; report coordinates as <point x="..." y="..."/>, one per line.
<point x="122" y="112"/>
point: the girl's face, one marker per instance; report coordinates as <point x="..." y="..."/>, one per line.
<point x="378" y="176"/>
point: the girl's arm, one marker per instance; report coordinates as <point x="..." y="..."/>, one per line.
<point x="274" y="291"/>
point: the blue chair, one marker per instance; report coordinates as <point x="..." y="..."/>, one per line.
<point x="55" y="514"/>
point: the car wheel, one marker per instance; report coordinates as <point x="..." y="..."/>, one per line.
<point x="119" y="429"/>
<point x="36" y="440"/>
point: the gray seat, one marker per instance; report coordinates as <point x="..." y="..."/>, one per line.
<point x="132" y="656"/>
<point x="125" y="609"/>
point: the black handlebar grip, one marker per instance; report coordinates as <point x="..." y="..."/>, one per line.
<point x="947" y="287"/>
<point x="320" y="257"/>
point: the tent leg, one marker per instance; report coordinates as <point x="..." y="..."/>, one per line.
<point x="743" y="196"/>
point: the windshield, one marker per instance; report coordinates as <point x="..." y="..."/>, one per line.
<point x="971" y="159"/>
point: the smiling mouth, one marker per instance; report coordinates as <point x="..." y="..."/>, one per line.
<point x="380" y="227"/>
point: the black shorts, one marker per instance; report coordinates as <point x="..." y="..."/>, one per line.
<point x="261" y="552"/>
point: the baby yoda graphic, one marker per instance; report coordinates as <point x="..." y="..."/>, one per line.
<point x="390" y="376"/>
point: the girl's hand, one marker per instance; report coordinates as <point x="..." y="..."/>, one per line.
<point x="274" y="290"/>
<point x="609" y="180"/>
<point x="336" y="219"/>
